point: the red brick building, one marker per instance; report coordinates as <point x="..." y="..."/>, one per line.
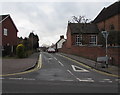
<point x="109" y="18"/>
<point x="8" y="33"/>
<point x="86" y="44"/>
<point x="81" y="34"/>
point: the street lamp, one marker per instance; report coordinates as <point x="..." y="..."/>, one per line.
<point x="105" y="35"/>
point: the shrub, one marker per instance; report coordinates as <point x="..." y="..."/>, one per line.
<point x="114" y="37"/>
<point x="20" y="50"/>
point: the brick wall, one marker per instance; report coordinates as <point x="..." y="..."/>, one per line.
<point x="93" y="52"/>
<point x="106" y="24"/>
<point x="11" y="38"/>
<point x="69" y="40"/>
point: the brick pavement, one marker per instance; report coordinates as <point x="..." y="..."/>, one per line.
<point x="18" y="65"/>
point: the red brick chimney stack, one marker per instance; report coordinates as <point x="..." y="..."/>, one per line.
<point x="62" y="37"/>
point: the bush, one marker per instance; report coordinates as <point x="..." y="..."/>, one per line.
<point x="114" y="37"/>
<point x="20" y="50"/>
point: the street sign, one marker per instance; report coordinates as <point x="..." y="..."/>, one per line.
<point x="104" y="59"/>
<point x="105" y="34"/>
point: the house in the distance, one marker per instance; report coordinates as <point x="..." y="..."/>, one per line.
<point x="81" y="34"/>
<point x="8" y="32"/>
<point x="60" y="42"/>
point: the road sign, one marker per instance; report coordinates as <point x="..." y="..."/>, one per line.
<point x="104" y="58"/>
<point x="105" y="34"/>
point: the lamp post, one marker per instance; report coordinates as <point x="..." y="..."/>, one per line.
<point x="105" y="34"/>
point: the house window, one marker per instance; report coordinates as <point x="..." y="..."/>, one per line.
<point x="93" y="40"/>
<point x="78" y="40"/>
<point x="5" y="32"/>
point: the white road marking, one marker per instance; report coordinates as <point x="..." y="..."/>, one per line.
<point x="106" y="79"/>
<point x="15" y="78"/>
<point x="79" y="69"/>
<point x="110" y="81"/>
<point x="52" y="79"/>
<point x="101" y="81"/>
<point x="2" y="78"/>
<point x="117" y="79"/>
<point x="58" y="54"/>
<point x="50" y="58"/>
<point x="28" y="79"/>
<point x="60" y="63"/>
<point x="67" y="80"/>
<point x="70" y="72"/>
<point x="85" y="80"/>
<point x="21" y="79"/>
<point x="55" y="58"/>
<point x="89" y="78"/>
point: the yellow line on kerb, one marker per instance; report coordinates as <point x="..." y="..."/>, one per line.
<point x="90" y="67"/>
<point x="39" y="65"/>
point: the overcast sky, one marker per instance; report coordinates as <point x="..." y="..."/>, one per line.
<point x="49" y="19"/>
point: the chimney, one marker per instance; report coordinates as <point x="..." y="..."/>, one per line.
<point x="62" y="37"/>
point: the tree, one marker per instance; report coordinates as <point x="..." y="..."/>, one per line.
<point x="79" y="19"/>
<point x="101" y="39"/>
<point x="20" y="39"/>
<point x="114" y="38"/>
<point x="20" y="50"/>
<point x="33" y="41"/>
<point x="26" y="43"/>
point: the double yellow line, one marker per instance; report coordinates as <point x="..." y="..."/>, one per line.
<point x="39" y="65"/>
<point x="90" y="67"/>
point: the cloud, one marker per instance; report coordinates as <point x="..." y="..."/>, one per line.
<point x="48" y="20"/>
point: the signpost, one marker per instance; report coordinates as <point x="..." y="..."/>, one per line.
<point x="105" y="34"/>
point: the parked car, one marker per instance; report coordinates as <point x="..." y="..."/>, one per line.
<point x="51" y="50"/>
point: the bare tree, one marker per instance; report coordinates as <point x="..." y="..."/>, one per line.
<point x="79" y="19"/>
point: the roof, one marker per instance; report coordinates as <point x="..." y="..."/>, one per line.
<point x="60" y="40"/>
<point x="4" y="17"/>
<point x="108" y="12"/>
<point x="82" y="28"/>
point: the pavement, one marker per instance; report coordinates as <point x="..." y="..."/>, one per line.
<point x="16" y="65"/>
<point x="111" y="68"/>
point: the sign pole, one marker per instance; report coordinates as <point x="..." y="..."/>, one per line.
<point x="105" y="34"/>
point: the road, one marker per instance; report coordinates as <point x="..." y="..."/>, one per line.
<point x="59" y="74"/>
